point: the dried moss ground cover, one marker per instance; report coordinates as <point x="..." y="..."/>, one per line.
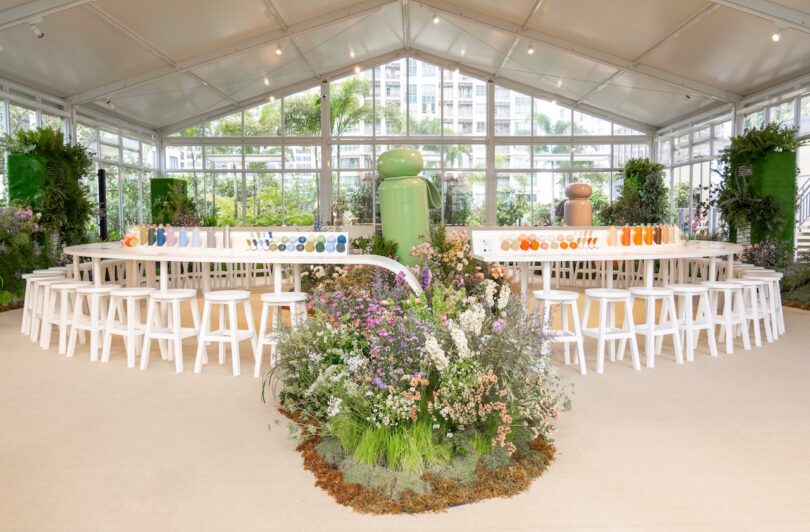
<point x="502" y="481"/>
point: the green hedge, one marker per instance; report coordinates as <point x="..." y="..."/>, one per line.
<point x="775" y="175"/>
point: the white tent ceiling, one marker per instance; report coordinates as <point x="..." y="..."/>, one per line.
<point x="163" y="63"/>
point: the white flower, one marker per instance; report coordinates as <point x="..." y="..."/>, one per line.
<point x="472" y="319"/>
<point x="490" y="287"/>
<point x="503" y="297"/>
<point x="460" y="339"/>
<point x="333" y="408"/>
<point x="436" y="353"/>
<point x="355" y="362"/>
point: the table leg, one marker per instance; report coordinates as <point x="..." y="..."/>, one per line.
<point x="730" y="267"/>
<point x="546" y="268"/>
<point x="206" y="277"/>
<point x="76" y="270"/>
<point x="97" y="281"/>
<point x="297" y="277"/>
<point x="609" y="273"/>
<point x="681" y="272"/>
<point x="150" y="274"/>
<point x="277" y="278"/>
<point x="132" y="274"/>
<point x="164" y="275"/>
<point x="712" y="268"/>
<point x="649" y="273"/>
<point x="524" y="283"/>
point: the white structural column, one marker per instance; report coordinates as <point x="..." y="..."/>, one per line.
<point x="492" y="179"/>
<point x="325" y="178"/>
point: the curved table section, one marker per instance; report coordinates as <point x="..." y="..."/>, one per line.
<point x="206" y="256"/>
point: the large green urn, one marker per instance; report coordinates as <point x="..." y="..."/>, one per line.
<point x="405" y="200"/>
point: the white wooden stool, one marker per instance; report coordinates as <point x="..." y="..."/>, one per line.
<point x="691" y="322"/>
<point x="231" y="334"/>
<point x="28" y="299"/>
<point x="732" y="315"/>
<point x="275" y="302"/>
<point x="567" y="301"/>
<point x="93" y="322"/>
<point x="59" y="313"/>
<point x="42" y="294"/>
<point x="667" y="322"/>
<point x="608" y="298"/>
<point x="774" y="297"/>
<point x="756" y="308"/>
<point x="125" y="305"/>
<point x="171" y="327"/>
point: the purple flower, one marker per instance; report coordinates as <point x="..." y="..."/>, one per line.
<point x="425" y="277"/>
<point x="497" y="325"/>
<point x="379" y="383"/>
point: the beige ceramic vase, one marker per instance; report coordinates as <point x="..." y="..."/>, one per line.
<point x="578" y="210"/>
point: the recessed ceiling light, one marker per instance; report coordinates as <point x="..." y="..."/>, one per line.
<point x="531" y="49"/>
<point x="776" y="37"/>
<point x="457" y="70"/>
<point x="463" y="51"/>
<point x="278" y="50"/>
<point x="553" y="102"/>
<point x="435" y="19"/>
<point x="351" y="54"/>
<point x="272" y="98"/>
<point x="266" y="81"/>
<point x="559" y="83"/>
<point x="357" y="69"/>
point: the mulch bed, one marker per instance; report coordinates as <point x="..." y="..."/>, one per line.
<point x="504" y="481"/>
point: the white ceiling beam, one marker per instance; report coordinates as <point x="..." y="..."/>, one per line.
<point x="674" y="34"/>
<point x="778" y="14"/>
<point x="23" y="13"/>
<point x="511" y="49"/>
<point x="406" y="25"/>
<point x="580" y="50"/>
<point x="232" y="50"/>
<point x="120" y="26"/>
<point x="278" y="93"/>
<point x="276" y="15"/>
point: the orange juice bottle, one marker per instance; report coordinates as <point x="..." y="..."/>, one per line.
<point x="648" y="234"/>
<point x="626" y="235"/>
<point x="637" y="235"/>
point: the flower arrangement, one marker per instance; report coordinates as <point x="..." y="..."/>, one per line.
<point x="20" y="251"/>
<point x="771" y="253"/>
<point x="414" y="384"/>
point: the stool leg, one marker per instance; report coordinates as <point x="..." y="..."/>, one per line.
<point x="752" y="298"/>
<point x="47" y="319"/>
<point x="147" y="333"/>
<point x="744" y="326"/>
<point x="580" y="343"/>
<point x="628" y="316"/>
<point x="727" y="318"/>
<point x="566" y="346"/>
<point x="95" y="304"/>
<point x="234" y="338"/>
<point x="132" y="336"/>
<point x="688" y="323"/>
<point x="768" y="319"/>
<point x="74" y="331"/>
<point x="205" y="328"/>
<point x="649" y="350"/>
<point x="600" y="341"/>
<point x="779" y="309"/>
<point x="250" y="324"/>
<point x="29" y="287"/>
<point x="105" y="351"/>
<point x="259" y="347"/>
<point x="612" y="324"/>
<point x="177" y="328"/>
<point x="222" y="328"/>
<point x="676" y="338"/>
<point x="63" y="328"/>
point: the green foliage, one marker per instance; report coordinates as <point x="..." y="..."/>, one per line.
<point x="796" y="281"/>
<point x="331" y="450"/>
<point x="20" y="250"/>
<point x="682" y="192"/>
<point x="392" y="483"/>
<point x="733" y="196"/>
<point x="773" y="254"/>
<point x="64" y="202"/>
<point x="643" y="199"/>
<point x="512" y="206"/>
<point x="377" y="244"/>
<point x="176" y="208"/>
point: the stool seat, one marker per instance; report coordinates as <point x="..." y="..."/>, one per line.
<point x="227" y="295"/>
<point x="556" y="295"/>
<point x="650" y="292"/>
<point x="103" y="289"/>
<point x="750" y="281"/>
<point x="722" y="285"/>
<point x="607" y="293"/>
<point x="132" y="292"/>
<point x="688" y="288"/>
<point x="174" y="294"/>
<point x="765" y="276"/>
<point x="44" y="271"/>
<point x="70" y="284"/>
<point x="283" y="297"/>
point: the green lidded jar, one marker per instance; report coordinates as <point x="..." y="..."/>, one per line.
<point x="405" y="200"/>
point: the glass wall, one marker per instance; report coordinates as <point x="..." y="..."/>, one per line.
<point x="264" y="165"/>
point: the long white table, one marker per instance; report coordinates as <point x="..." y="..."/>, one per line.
<point x="648" y="254"/>
<point x="206" y="256"/>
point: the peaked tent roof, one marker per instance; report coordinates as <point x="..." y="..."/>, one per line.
<point x="163" y="63"/>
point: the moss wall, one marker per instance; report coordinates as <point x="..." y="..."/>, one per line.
<point x="775" y="175"/>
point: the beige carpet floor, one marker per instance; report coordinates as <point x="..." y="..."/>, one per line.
<point x="717" y="444"/>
